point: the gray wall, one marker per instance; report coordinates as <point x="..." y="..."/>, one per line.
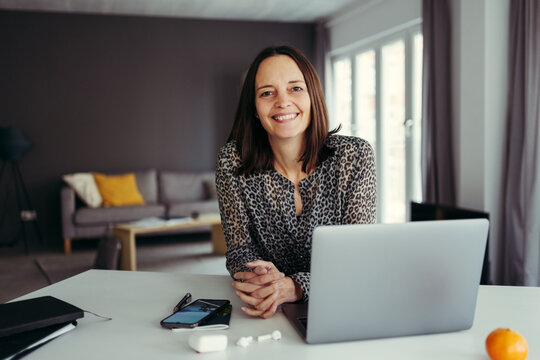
<point x="113" y="94"/>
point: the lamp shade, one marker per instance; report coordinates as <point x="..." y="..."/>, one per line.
<point x="13" y="144"/>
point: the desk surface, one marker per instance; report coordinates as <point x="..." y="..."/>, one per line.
<point x="137" y="301"/>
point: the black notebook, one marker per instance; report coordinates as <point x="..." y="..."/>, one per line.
<point x="17" y="345"/>
<point x="24" y="315"/>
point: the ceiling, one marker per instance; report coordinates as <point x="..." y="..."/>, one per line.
<point x="250" y="10"/>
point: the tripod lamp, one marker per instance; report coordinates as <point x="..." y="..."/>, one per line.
<point x="13" y="145"/>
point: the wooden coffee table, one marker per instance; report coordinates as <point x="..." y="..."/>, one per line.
<point x="128" y="232"/>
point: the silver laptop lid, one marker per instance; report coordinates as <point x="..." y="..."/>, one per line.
<point x="386" y="280"/>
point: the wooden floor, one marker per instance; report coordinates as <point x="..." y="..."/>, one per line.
<point x="187" y="253"/>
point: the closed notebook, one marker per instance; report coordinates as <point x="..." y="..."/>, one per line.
<point x="17" y="345"/>
<point x="24" y="315"/>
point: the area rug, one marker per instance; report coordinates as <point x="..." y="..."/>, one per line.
<point x="56" y="269"/>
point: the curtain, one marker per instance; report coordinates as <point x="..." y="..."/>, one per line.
<point x="321" y="49"/>
<point x="438" y="182"/>
<point x="520" y="255"/>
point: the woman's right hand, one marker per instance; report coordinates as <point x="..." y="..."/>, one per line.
<point x="264" y="274"/>
<point x="265" y="288"/>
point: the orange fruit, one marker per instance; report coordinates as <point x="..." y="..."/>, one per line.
<point x="506" y="344"/>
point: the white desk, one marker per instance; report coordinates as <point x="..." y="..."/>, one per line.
<point x="137" y="301"/>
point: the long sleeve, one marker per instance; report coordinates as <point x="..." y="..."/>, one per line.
<point x="234" y="217"/>
<point x="303" y="279"/>
<point x="361" y="203"/>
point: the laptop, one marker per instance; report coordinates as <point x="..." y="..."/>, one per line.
<point x="388" y="280"/>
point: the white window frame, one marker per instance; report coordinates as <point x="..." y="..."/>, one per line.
<point x="376" y="43"/>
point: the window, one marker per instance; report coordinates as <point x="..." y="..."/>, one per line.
<point x="376" y="95"/>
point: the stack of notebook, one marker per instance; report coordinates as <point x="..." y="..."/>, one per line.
<point x="28" y="324"/>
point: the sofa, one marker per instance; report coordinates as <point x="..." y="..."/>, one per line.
<point x="165" y="194"/>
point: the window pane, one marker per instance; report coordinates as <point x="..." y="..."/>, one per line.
<point x="393" y="132"/>
<point x="417" y="116"/>
<point x="365" y="126"/>
<point x="343" y="98"/>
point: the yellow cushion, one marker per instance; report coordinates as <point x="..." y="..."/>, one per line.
<point x="118" y="190"/>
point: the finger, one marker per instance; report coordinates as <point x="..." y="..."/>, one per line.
<point x="267" y="302"/>
<point x="251" y="311"/>
<point x="266" y="279"/>
<point x="266" y="291"/>
<point x="256" y="263"/>
<point x="270" y="312"/>
<point x="259" y="280"/>
<point x="245" y="286"/>
<point x="260" y="270"/>
<point x="244" y="275"/>
<point x="248" y="299"/>
<point x="266" y="264"/>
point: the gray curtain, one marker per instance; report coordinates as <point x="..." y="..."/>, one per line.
<point x="321" y="49"/>
<point x="520" y="249"/>
<point x="438" y="182"/>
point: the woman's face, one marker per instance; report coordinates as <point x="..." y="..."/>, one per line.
<point x="281" y="98"/>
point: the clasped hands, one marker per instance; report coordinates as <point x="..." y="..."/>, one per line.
<point x="264" y="288"/>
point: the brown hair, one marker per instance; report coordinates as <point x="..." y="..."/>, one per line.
<point x="251" y="138"/>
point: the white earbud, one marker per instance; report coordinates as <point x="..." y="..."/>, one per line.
<point x="245" y="341"/>
<point x="275" y="335"/>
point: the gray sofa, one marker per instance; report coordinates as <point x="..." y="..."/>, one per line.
<point x="166" y="194"/>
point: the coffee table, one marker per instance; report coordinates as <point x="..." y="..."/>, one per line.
<point x="128" y="232"/>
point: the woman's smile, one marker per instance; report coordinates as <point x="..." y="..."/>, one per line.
<point x="285" y="118"/>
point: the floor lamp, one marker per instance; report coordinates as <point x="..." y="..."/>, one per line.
<point x="13" y="145"/>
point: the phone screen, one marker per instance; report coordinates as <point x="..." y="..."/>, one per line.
<point x="193" y="313"/>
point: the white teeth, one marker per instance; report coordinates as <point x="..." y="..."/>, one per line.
<point x="285" y="117"/>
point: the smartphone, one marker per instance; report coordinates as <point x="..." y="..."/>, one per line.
<point x="193" y="314"/>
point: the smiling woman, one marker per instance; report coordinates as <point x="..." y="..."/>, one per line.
<point x="281" y="99"/>
<point x="281" y="174"/>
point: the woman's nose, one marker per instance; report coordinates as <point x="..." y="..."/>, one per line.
<point x="283" y="100"/>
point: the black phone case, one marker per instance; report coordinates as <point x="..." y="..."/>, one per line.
<point x="193" y="325"/>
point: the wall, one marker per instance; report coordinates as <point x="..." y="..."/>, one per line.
<point x="480" y="46"/>
<point x="113" y="94"/>
<point x="371" y="19"/>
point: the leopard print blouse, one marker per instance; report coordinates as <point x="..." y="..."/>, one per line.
<point x="259" y="215"/>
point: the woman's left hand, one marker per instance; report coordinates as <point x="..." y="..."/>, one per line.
<point x="265" y="288"/>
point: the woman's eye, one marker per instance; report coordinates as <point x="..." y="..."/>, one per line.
<point x="297" y="88"/>
<point x="266" y="93"/>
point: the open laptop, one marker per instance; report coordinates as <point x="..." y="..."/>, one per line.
<point x="388" y="280"/>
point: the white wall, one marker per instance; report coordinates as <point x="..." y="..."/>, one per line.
<point x="372" y="18"/>
<point x="497" y="27"/>
<point x="479" y="44"/>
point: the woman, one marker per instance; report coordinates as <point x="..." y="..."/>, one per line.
<point x="281" y="174"/>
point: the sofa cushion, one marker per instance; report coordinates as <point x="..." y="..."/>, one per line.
<point x="188" y="208"/>
<point x="85" y="187"/>
<point x="175" y="186"/>
<point x="118" y="190"/>
<point x="147" y="185"/>
<point x="88" y="216"/>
